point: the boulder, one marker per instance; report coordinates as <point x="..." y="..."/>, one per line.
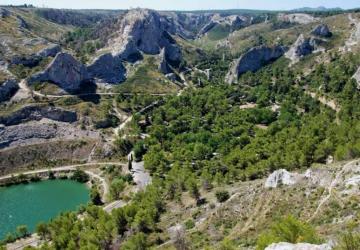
<point x="65" y="71"/>
<point x="322" y="30"/>
<point x="108" y="68"/>
<point x="8" y="89"/>
<point x="253" y="60"/>
<point x="282" y="177"/>
<point x="299" y="246"/>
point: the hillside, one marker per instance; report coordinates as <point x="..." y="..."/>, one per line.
<point x="239" y="129"/>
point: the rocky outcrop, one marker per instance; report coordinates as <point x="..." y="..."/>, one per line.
<point x="299" y="246"/>
<point x="253" y="60"/>
<point x="8" y="89"/>
<point x="299" y="18"/>
<point x="357" y="77"/>
<point x="22" y="23"/>
<point x="142" y="30"/>
<point x="282" y="177"/>
<point x="108" y="68"/>
<point x="4" y="13"/>
<point x="302" y="47"/>
<point x="65" y="71"/>
<point x="322" y="30"/>
<point x="30" y="113"/>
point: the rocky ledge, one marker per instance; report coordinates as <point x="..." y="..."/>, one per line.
<point x="37" y="113"/>
<point x="253" y="60"/>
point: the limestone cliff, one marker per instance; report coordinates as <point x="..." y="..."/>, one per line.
<point x="253" y="60"/>
<point x="65" y="71"/>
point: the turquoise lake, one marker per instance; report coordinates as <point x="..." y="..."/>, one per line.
<point x="29" y="204"/>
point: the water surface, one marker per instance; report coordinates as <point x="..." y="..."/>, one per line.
<point x="29" y="204"/>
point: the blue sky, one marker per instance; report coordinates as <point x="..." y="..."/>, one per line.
<point x="187" y="4"/>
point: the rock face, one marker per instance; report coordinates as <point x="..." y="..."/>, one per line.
<point x="8" y="89"/>
<point x="253" y="60"/>
<point x="107" y="68"/>
<point x="65" y="71"/>
<point x="302" y="47"/>
<point x="37" y="113"/>
<point x="322" y="30"/>
<point x="142" y="30"/>
<point x="299" y="18"/>
<point x="282" y="177"/>
<point x="299" y="246"/>
<point x="37" y="132"/>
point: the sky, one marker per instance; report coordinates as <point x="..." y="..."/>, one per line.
<point x="187" y="4"/>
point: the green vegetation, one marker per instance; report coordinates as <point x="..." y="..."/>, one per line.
<point x="222" y="196"/>
<point x="290" y="230"/>
<point x="80" y="176"/>
<point x="146" y="78"/>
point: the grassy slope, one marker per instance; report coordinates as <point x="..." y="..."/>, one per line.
<point x="146" y="78"/>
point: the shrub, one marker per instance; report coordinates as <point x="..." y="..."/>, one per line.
<point x="80" y="176"/>
<point x="288" y="229"/>
<point x="189" y="224"/>
<point x="222" y="196"/>
<point x="349" y="241"/>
